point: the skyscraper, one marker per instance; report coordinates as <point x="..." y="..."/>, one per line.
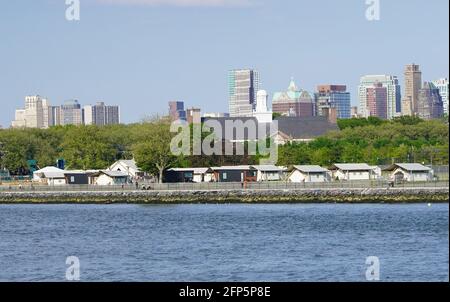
<point x="176" y="110"/>
<point x="35" y="114"/>
<point x="442" y="85"/>
<point x="394" y="103"/>
<point x="71" y="113"/>
<point x="333" y="97"/>
<point x="429" y="102"/>
<point x="293" y="102"/>
<point x="100" y="114"/>
<point x="413" y="83"/>
<point x="242" y="87"/>
<point x="376" y="101"/>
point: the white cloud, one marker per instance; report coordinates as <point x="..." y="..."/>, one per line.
<point x="185" y="3"/>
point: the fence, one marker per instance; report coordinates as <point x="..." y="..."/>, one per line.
<point x="222" y="186"/>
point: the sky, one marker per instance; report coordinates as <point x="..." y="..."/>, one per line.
<point x="140" y="54"/>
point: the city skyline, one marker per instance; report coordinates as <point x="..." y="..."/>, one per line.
<point x="86" y="60"/>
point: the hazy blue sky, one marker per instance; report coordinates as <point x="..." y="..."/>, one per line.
<point x="142" y="53"/>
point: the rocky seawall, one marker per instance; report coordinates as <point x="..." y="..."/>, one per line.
<point x="379" y="195"/>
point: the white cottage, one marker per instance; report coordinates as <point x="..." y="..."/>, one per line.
<point x="268" y="173"/>
<point x="409" y="172"/>
<point x="351" y="172"/>
<point x="128" y="167"/>
<point x="50" y="175"/>
<point x="308" y="173"/>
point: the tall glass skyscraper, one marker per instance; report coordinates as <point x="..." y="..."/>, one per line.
<point x="333" y="97"/>
<point x="243" y="84"/>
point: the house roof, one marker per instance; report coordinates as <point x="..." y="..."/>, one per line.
<point x="352" y="167"/>
<point x="408" y="167"/>
<point x="311" y="169"/>
<point x="50" y="172"/>
<point x="195" y="170"/>
<point x="129" y="164"/>
<point x="114" y="174"/>
<point x="268" y="168"/>
<point x="232" y="168"/>
<point x="304" y="127"/>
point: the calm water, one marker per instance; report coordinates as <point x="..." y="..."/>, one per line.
<point x="224" y="242"/>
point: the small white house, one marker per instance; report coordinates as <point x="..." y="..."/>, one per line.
<point x="128" y="167"/>
<point x="110" y="178"/>
<point x="351" y="172"/>
<point x="409" y="172"/>
<point x="268" y="173"/>
<point x="309" y="173"/>
<point x="50" y="175"/>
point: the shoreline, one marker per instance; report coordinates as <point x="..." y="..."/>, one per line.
<point x="354" y="195"/>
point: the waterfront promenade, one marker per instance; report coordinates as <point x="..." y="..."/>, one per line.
<point x="345" y="192"/>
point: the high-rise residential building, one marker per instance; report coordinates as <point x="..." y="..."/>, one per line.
<point x="442" y="85"/>
<point x="194" y="115"/>
<point x="35" y="114"/>
<point x="394" y="103"/>
<point x="429" y="102"/>
<point x="71" y="113"/>
<point x="101" y="114"/>
<point x="293" y="102"/>
<point x="376" y="101"/>
<point x="242" y="87"/>
<point x="112" y="115"/>
<point x="333" y="97"/>
<point x="413" y="83"/>
<point x="176" y="110"/>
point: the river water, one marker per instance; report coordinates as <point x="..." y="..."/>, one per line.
<point x="324" y="242"/>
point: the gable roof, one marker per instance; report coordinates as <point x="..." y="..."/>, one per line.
<point x="128" y="164"/>
<point x="50" y="172"/>
<point x="310" y="168"/>
<point x="194" y="170"/>
<point x="409" y="167"/>
<point x="114" y="174"/>
<point x="352" y="167"/>
<point x="268" y="168"/>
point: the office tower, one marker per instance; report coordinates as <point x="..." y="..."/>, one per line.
<point x="101" y="114"/>
<point x="242" y="87"/>
<point x="442" y="85"/>
<point x="71" y="113"/>
<point x="54" y="116"/>
<point x="377" y="98"/>
<point x="194" y="115"/>
<point x="429" y="102"/>
<point x="394" y="100"/>
<point x="293" y="102"/>
<point x="34" y="115"/>
<point x="176" y="111"/>
<point x="413" y="82"/>
<point x="333" y="97"/>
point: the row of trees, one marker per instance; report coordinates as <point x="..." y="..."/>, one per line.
<point x="376" y="142"/>
<point x="91" y="147"/>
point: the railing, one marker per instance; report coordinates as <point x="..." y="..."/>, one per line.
<point x="222" y="186"/>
